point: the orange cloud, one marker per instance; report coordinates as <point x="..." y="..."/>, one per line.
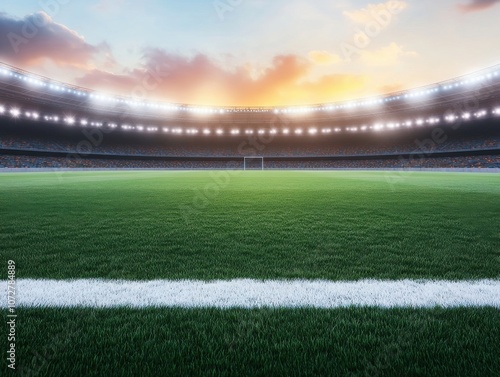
<point x="198" y="80"/>
<point x="324" y="58"/>
<point x="37" y="38"/>
<point x="286" y="80"/>
<point x="386" y="56"/>
<point x="477" y="5"/>
<point x="374" y="11"/>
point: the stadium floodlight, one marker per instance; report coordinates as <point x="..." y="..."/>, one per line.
<point x="206" y="132"/>
<point x="219" y="132"/>
<point x="273" y="131"/>
<point x="35" y="116"/>
<point x="298" y="131"/>
<point x="140" y="128"/>
<point x="262" y="132"/>
<point x="70" y="120"/>
<point x="286" y="131"/>
<point x="466" y="116"/>
<point x="481" y="113"/>
<point x="2" y="109"/>
<point x="235" y="132"/>
<point x="313" y="131"/>
<point x="249" y="132"/>
<point x="15" y="112"/>
<point x="338" y="129"/>
<point x="450" y="118"/>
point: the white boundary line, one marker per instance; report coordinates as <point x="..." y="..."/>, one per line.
<point x="248" y="293"/>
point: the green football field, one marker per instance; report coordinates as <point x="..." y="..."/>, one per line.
<point x="335" y="226"/>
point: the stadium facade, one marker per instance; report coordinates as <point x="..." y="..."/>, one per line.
<point x="49" y="124"/>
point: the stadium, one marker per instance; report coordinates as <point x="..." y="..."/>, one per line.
<point x="353" y="237"/>
<point x="451" y="124"/>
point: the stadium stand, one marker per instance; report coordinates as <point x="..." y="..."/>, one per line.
<point x="55" y="131"/>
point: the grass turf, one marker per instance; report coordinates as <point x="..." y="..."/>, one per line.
<point x="212" y="225"/>
<point x="203" y="225"/>
<point x="301" y="342"/>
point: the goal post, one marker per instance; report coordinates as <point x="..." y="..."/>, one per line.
<point x="253" y="163"/>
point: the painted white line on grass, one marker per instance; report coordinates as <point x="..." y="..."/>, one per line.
<point x="248" y="293"/>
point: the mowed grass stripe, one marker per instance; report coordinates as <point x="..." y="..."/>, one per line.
<point x="255" y="294"/>
<point x="261" y="225"/>
<point x="259" y="342"/>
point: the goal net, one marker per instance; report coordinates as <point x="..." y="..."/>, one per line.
<point x="253" y="163"/>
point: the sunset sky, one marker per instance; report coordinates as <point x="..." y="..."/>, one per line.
<point x="250" y="52"/>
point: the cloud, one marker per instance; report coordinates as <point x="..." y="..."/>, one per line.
<point x="37" y="38"/>
<point x="381" y="12"/>
<point x="200" y="80"/>
<point x="392" y="88"/>
<point x="386" y="56"/>
<point x="477" y="5"/>
<point x="324" y="57"/>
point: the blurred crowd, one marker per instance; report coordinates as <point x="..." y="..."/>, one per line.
<point x="240" y="147"/>
<point x="25" y="161"/>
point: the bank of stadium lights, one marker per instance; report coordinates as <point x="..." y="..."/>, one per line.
<point x="31" y="115"/>
<point x="69" y="120"/>
<point x="481" y="114"/>
<point x="15" y="112"/>
<point x="450" y="118"/>
<point x="68" y="89"/>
